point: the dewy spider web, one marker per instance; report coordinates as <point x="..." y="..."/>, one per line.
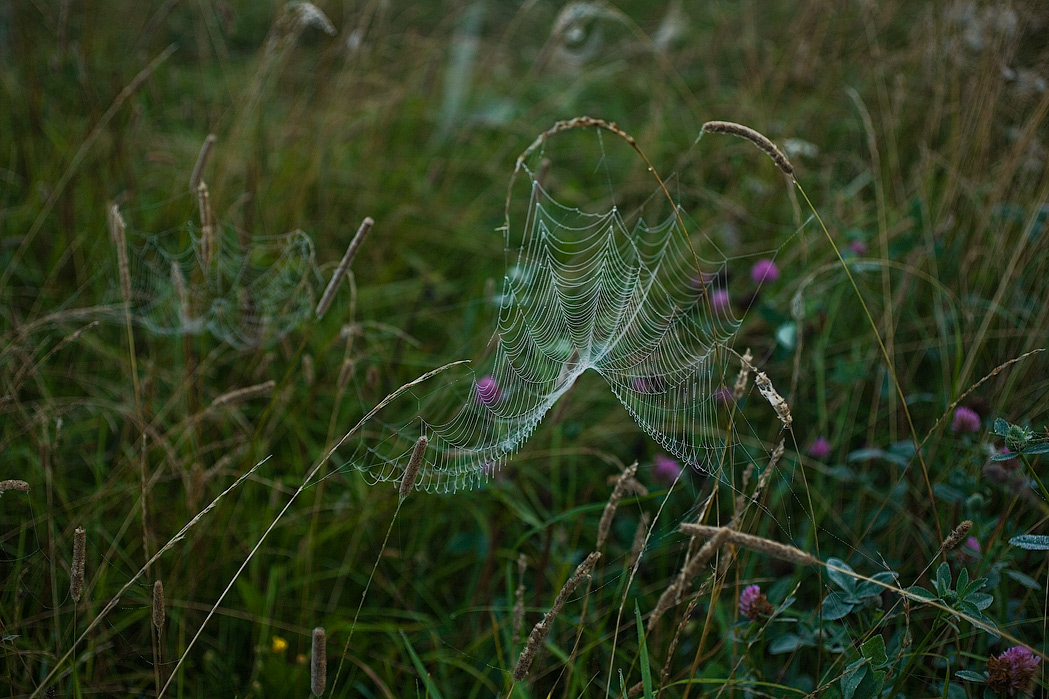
<point x="582" y="291"/>
<point x="250" y="293"/>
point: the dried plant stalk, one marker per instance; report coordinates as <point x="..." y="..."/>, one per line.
<point x="158" y="605"/>
<point x="76" y="572"/>
<point x="208" y="244"/>
<point x="202" y="161"/>
<point x="412" y="471"/>
<point x="117" y="233"/>
<point x="672" y="595"/>
<point x="957" y="536"/>
<point x="638" y="546"/>
<point x="180" y="291"/>
<point x="243" y="394"/>
<point x="542" y="627"/>
<point x="622" y="483"/>
<point x="763" y="479"/>
<point x="764" y="384"/>
<point x="14" y="484"/>
<point x="344" y="266"/>
<point x="754" y="543"/>
<point x="318" y="662"/>
<point x="519" y="610"/>
<point x="758" y="139"/>
<point x="744" y="375"/>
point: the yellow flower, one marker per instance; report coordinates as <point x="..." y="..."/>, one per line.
<point x="278" y="645"/>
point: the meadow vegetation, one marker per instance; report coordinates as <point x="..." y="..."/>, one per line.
<point x="175" y="517"/>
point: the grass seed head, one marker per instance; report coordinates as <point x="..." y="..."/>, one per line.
<point x="158" y="605"/>
<point x="412" y="471"/>
<point x="76" y="572"/>
<point x="318" y="662"/>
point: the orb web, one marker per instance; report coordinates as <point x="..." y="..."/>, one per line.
<point x="249" y="292"/>
<point x="618" y="291"/>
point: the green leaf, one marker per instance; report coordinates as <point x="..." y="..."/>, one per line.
<point x="852" y="677"/>
<point x="835" y="606"/>
<point x="873" y="649"/>
<point x="646" y="671"/>
<point x="843" y="580"/>
<point x="1024" y="579"/>
<point x="943" y="579"/>
<point x="1042" y="448"/>
<point x="868" y="589"/>
<point x="1030" y="542"/>
<point x="431" y="689"/>
<point x="921" y="593"/>
<point x="1001" y="427"/>
<point x="1007" y="456"/>
<point x="971" y="587"/>
<point x="963" y="582"/>
<point x="970" y="676"/>
<point x="980" y="600"/>
<point x="787" y="643"/>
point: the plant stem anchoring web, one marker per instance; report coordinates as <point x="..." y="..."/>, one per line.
<point x="617" y="294"/>
<point x="244" y="292"/>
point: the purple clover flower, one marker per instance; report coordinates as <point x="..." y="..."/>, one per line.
<point x="753" y="604"/>
<point x="488" y="391"/>
<point x="1012" y="671"/>
<point x="858" y="247"/>
<point x="965" y="420"/>
<point x="665" y="469"/>
<point x="720" y="300"/>
<point x="763" y="271"/>
<point x="820" y="449"/>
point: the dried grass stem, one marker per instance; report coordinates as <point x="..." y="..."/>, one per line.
<point x="344" y="266"/>
<point x="542" y="627"/>
<point x="754" y="543"/>
<point x="758" y="139"/>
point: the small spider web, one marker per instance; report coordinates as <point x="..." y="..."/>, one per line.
<point x="614" y="292"/>
<point x="252" y="291"/>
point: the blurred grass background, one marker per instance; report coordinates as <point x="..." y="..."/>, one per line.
<point x="917" y="128"/>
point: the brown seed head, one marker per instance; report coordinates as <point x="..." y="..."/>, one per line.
<point x="412" y="471"/>
<point x="957" y="536"/>
<point x="158" y="605"/>
<point x="318" y="662"/>
<point x="758" y="139"/>
<point x="76" y="571"/>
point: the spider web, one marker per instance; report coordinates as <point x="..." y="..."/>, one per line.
<point x="250" y="293"/>
<point x="617" y="291"/>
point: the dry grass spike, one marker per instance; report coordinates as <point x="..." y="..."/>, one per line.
<point x="754" y="543"/>
<point x="344" y="266"/>
<point x="318" y="662"/>
<point x="117" y="233"/>
<point x="76" y="570"/>
<point x="672" y="595"/>
<point x="412" y="471"/>
<point x="243" y="394"/>
<point x="519" y="610"/>
<point x="622" y="484"/>
<point x="208" y="244"/>
<point x="158" y="605"/>
<point x="778" y="403"/>
<point x="957" y="536"/>
<point x="542" y="627"/>
<point x="202" y="161"/>
<point x="758" y="139"/>
<point x="744" y="375"/>
<point x="14" y="484"/>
